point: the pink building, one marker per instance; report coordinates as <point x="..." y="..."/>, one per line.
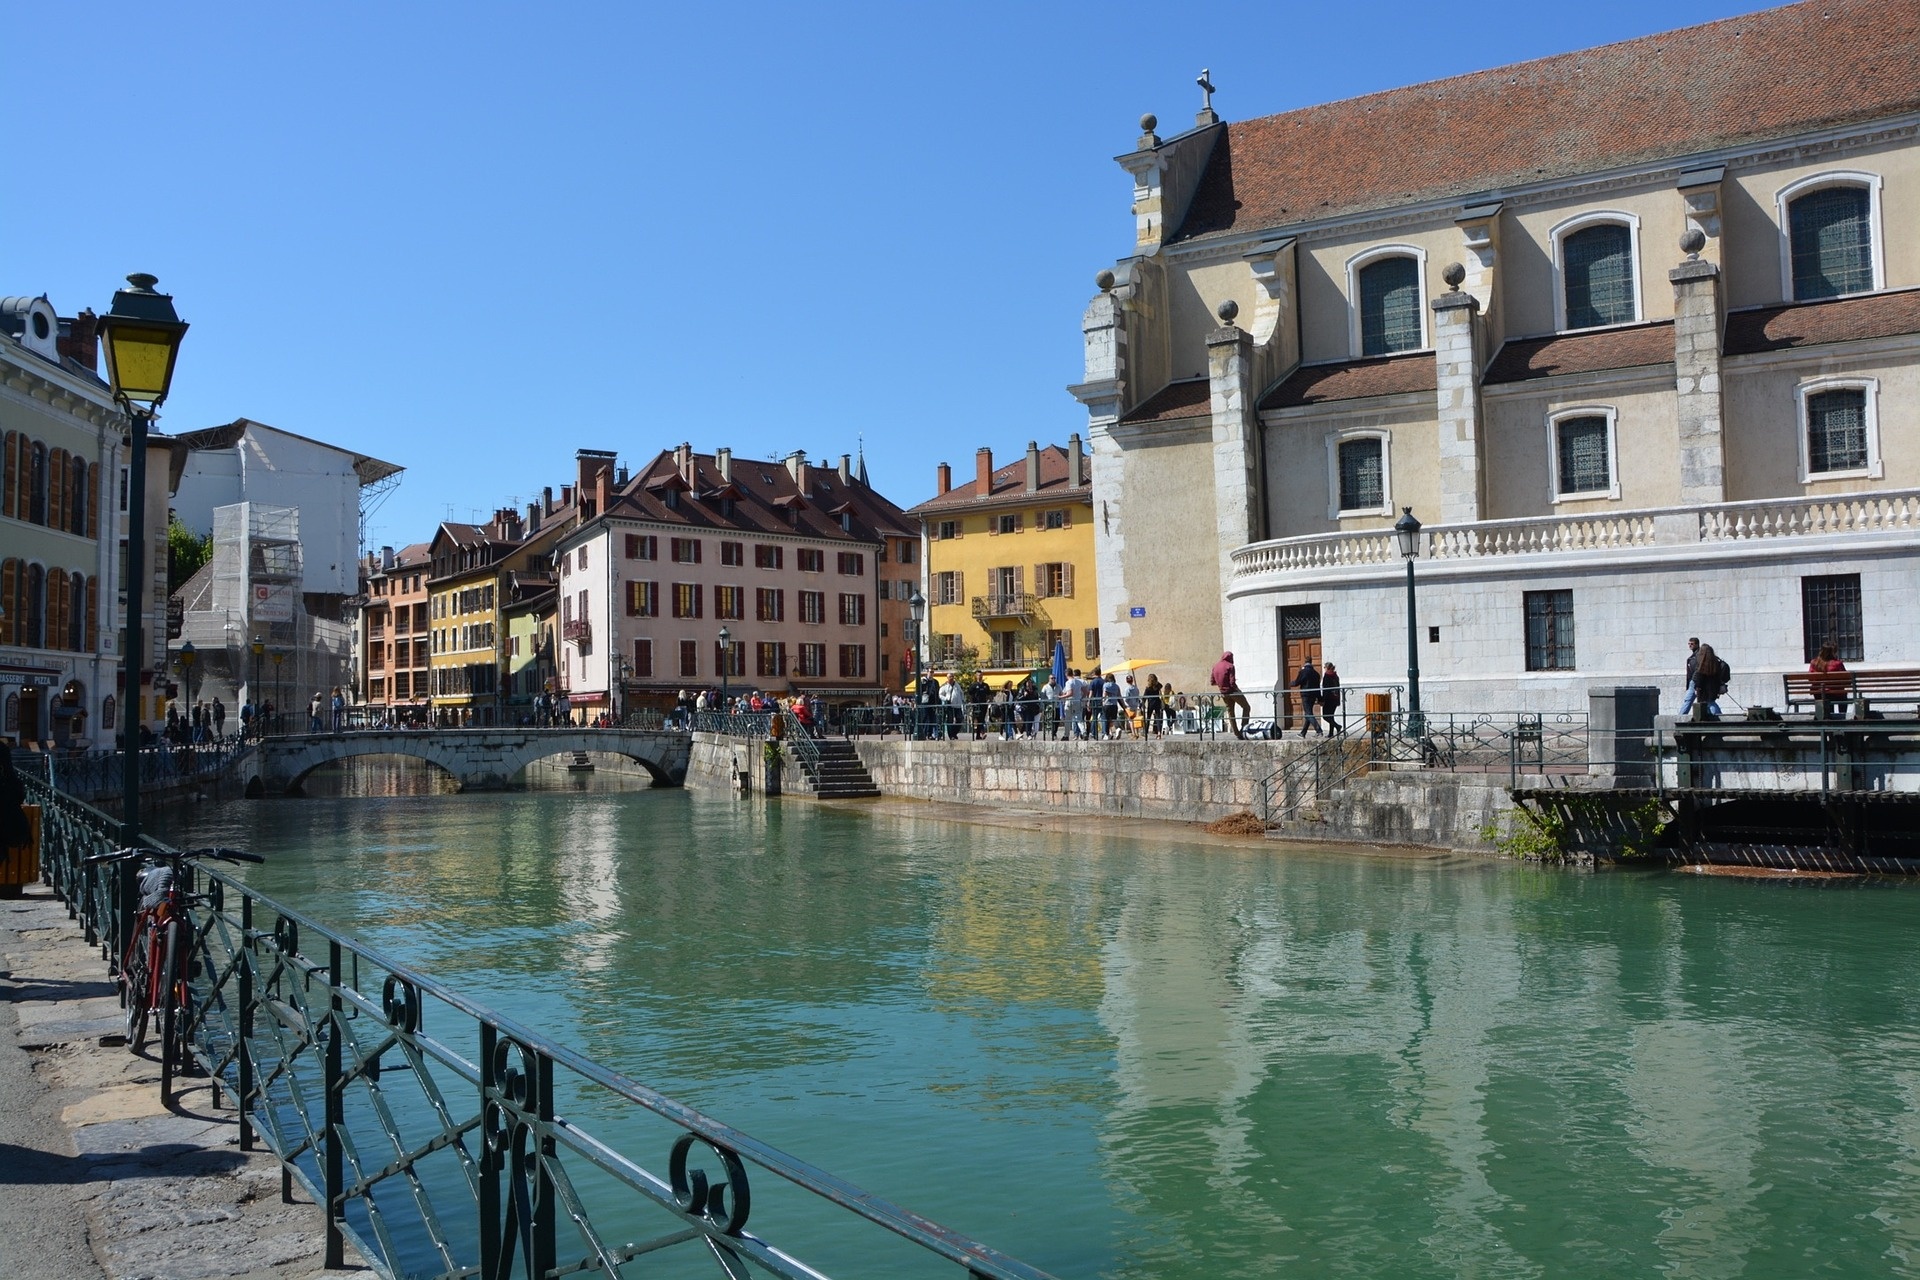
<point x="789" y="559"/>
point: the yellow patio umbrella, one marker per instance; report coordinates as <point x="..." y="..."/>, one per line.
<point x="1134" y="664"/>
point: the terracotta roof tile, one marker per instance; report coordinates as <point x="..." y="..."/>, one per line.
<point x="1590" y="352"/>
<point x="1678" y="94"/>
<point x="1010" y="483"/>
<point x="766" y="494"/>
<point x="1809" y="324"/>
<point x="1355" y="380"/>
<point x="1189" y="398"/>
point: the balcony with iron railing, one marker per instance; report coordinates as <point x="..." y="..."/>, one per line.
<point x="579" y="630"/>
<point x="1660" y="530"/>
<point x="1009" y="604"/>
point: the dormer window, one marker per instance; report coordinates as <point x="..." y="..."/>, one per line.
<point x="1828" y="225"/>
<point x="1389" y="311"/>
<point x="1595" y="256"/>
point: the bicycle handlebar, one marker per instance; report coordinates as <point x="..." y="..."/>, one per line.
<point x="175" y="855"/>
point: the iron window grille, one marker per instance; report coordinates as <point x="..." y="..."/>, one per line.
<point x="1584" y="466"/>
<point x="1390" y="306"/>
<point x="1362" y="476"/>
<point x="1598" y="269"/>
<point x="1549" y="630"/>
<point x="1837" y="430"/>
<point x="1830" y="613"/>
<point x="1831" y="242"/>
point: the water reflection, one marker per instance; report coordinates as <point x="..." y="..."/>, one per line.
<point x="1215" y="1061"/>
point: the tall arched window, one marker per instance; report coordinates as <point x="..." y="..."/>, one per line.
<point x="37" y="485"/>
<point x="13" y="588"/>
<point x="1597" y="278"/>
<point x="1390" y="306"/>
<point x="77" y="612"/>
<point x="79" y="496"/>
<point x="1830" y="242"/>
<point x="34" y="616"/>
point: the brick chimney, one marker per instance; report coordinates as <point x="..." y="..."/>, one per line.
<point x="982" y="472"/>
<point x="546" y="500"/>
<point x="81" y="341"/>
<point x="1033" y="466"/>
<point x="943" y="478"/>
<point x="566" y="495"/>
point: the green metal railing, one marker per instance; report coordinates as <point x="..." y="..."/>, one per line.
<point x="443" y="1139"/>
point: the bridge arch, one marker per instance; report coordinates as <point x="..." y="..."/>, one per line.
<point x="477" y="759"/>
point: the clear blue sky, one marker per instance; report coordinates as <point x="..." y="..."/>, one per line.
<point x="472" y="238"/>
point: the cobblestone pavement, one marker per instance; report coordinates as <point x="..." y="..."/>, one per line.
<point x="96" y="1177"/>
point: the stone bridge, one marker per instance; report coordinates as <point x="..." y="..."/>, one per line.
<point x="478" y="759"/>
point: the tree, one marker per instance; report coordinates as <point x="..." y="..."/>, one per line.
<point x="187" y="551"/>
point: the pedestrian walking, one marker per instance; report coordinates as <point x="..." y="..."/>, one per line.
<point x="1693" y="662"/>
<point x="1226" y="679"/>
<point x="1154" y="705"/>
<point x="1330" y="697"/>
<point x="219" y="718"/>
<point x="1308" y="683"/>
<point x="1710" y="677"/>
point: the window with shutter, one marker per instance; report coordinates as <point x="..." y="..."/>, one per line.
<point x="9" y="447"/>
<point x="1066" y="578"/>
<point x="57" y="489"/>
<point x="1597" y="272"/>
<point x="1390" y="306"/>
<point x="9" y="599"/>
<point x="1831" y="241"/>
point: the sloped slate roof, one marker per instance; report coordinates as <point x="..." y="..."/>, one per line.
<point x="1187" y="398"/>
<point x="1676" y="95"/>
<point x="1810" y="324"/>
<point x="1529" y="358"/>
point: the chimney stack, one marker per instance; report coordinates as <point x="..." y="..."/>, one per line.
<point x="81" y="340"/>
<point x="943" y="475"/>
<point x="386" y="559"/>
<point x="846" y="468"/>
<point x="566" y="495"/>
<point x="533" y="518"/>
<point x="1076" y="462"/>
<point x="723" y="462"/>
<point x="1033" y="466"/>
<point x="797" y="468"/>
<point x="546" y="498"/>
<point x="982" y="472"/>
<point x="683" y="462"/>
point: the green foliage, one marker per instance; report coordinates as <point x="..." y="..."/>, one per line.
<point x="1533" y="836"/>
<point x="187" y="553"/>
<point x="968" y="665"/>
<point x="771" y="753"/>
<point x="1573" y="826"/>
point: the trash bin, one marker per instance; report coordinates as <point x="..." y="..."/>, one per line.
<point x="20" y="865"/>
<point x="1379" y="712"/>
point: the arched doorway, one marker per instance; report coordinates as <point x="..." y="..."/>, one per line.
<point x="31" y="708"/>
<point x="69" y="714"/>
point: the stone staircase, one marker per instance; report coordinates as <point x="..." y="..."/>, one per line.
<point x="837" y="774"/>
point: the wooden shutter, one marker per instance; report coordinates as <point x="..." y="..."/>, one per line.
<point x="1019" y="579"/>
<point x="93" y="615"/>
<point x="9" y="579"/>
<point x="94" y="499"/>
<point x="959" y="587"/>
<point x="1040" y="581"/>
<point x="1066" y="518"/>
<point x="56" y="637"/>
<point x="1066" y="579"/>
<point x="12" y="447"/>
<point x="57" y="489"/>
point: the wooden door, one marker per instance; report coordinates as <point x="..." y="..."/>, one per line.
<point x="1299" y="642"/>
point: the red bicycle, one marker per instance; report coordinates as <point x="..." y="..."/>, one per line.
<point x="156" y="971"/>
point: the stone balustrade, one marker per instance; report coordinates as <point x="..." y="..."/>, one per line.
<point x="1888" y="512"/>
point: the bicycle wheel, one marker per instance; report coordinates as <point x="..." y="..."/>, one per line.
<point x="136" y="989"/>
<point x="172" y="1016"/>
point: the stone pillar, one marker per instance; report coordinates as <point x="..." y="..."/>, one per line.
<point x="1104" y="326"/>
<point x="1456" y="343"/>
<point x="1696" y="373"/>
<point x="1237" y="503"/>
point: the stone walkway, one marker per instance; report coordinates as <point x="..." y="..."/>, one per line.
<point x="96" y="1177"/>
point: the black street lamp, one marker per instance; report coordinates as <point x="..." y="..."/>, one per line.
<point x="917" y="610"/>
<point x="253" y="690"/>
<point x="279" y="655"/>
<point x="1406" y="530"/>
<point x="187" y="656"/>
<point x="726" y="665"/>
<point x="141" y="336"/>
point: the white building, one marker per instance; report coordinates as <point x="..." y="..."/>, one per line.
<point x="1634" y="331"/>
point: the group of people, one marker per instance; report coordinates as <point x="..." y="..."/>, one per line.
<point x="325" y="714"/>
<point x="1707" y="676"/>
<point x="203" y="722"/>
<point x="1319" y="686"/>
<point x="1085" y="705"/>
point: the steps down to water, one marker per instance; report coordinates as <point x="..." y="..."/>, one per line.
<point x="838" y="775"/>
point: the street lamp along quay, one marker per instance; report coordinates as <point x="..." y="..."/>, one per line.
<point x="141" y="335"/>
<point x="259" y="727"/>
<point x="187" y="656"/>
<point x="1406" y="531"/>
<point x="726" y="665"/>
<point x="917" y="610"/>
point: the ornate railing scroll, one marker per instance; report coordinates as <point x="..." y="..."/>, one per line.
<point x="445" y="1140"/>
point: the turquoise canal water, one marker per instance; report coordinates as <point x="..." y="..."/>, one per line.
<point x="1131" y="1056"/>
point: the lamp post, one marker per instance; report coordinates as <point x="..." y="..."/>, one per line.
<point x="619" y="673"/>
<point x="141" y="335"/>
<point x="187" y="656"/>
<point x="253" y="690"/>
<point x="278" y="655"/>
<point x="1406" y="530"/>
<point x="726" y="665"/>
<point x="917" y="610"/>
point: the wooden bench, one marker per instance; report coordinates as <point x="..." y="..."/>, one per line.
<point x="1862" y="689"/>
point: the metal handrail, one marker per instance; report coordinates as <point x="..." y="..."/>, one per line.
<point x="435" y="1159"/>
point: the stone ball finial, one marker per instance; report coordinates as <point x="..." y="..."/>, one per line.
<point x="1149" y="122"/>
<point x="1454" y="274"/>
<point x="1692" y="241"/>
<point x="1104" y="280"/>
<point x="1227" y="310"/>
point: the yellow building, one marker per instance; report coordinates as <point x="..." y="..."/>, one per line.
<point x="1009" y="563"/>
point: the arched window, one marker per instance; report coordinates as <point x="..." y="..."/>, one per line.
<point x="1358" y="474"/>
<point x="9" y="471"/>
<point x="13" y="595"/>
<point x="1583" y="454"/>
<point x="107" y="705"/>
<point x="79" y="498"/>
<point x="1840" y="429"/>
<point x="33" y="617"/>
<point x="37" y="485"/>
<point x="77" y="613"/>
<point x="1389" y="300"/>
<point x="1595" y="256"/>
<point x="1830" y="238"/>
